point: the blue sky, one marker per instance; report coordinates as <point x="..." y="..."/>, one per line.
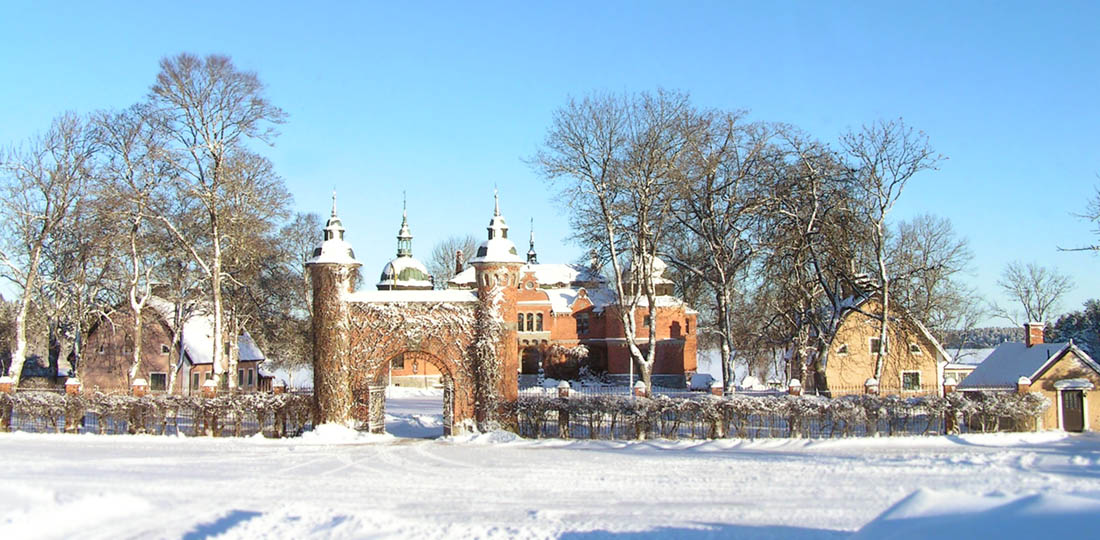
<point x="445" y="100"/>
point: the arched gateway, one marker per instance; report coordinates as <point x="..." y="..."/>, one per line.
<point x="469" y="336"/>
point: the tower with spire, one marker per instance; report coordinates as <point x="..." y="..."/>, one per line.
<point x="532" y="257"/>
<point x="405" y="273"/>
<point x="332" y="271"/>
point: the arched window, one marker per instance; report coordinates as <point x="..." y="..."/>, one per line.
<point x="519" y="322"/>
<point x="538" y="322"/>
<point x="530" y="322"/>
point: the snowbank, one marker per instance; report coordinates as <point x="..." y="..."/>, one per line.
<point x="934" y="514"/>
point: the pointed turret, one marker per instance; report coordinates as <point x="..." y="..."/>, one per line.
<point x="498" y="248"/>
<point x="333" y="248"/>
<point x="532" y="257"/>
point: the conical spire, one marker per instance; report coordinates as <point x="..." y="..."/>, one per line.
<point x="404" y="237"/>
<point x="497" y="227"/>
<point x="334" y="228"/>
<point x="532" y="257"/>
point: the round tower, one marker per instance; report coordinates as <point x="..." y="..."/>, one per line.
<point x="332" y="271"/>
<point x="496" y="269"/>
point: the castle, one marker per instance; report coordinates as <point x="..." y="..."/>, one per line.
<point x="500" y="321"/>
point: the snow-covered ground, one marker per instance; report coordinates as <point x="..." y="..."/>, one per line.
<point x="339" y="484"/>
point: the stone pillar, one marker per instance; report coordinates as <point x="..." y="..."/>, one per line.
<point x="7" y="386"/>
<point x="72" y="386"/>
<point x="563" y="412"/>
<point x="716" y="388"/>
<point x="794" y="387"/>
<point x="949" y="386"/>
<point x="332" y="394"/>
<point x="1023" y="385"/>
<point x="639" y="389"/>
<point x="497" y="288"/>
<point x="138" y="388"/>
<point x="871" y="386"/>
<point x="209" y="389"/>
<point x="278" y="387"/>
<point x="376" y="409"/>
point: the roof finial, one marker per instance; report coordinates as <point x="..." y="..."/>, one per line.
<point x="404" y="204"/>
<point x="532" y="257"/>
<point x="334" y="201"/>
<point x="496" y="202"/>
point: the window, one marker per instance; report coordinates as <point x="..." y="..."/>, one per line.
<point x="227" y="348"/>
<point x="101" y="349"/>
<point x="876" y="346"/>
<point x="165" y="349"/>
<point x="647" y="320"/>
<point x="240" y="376"/>
<point x="158" y="382"/>
<point x="910" y="380"/>
<point x="530" y="322"/>
<point x="842" y="350"/>
<point x="914" y="348"/>
<point x="250" y="377"/>
<point x="519" y="322"/>
<point x="582" y="323"/>
<point x="538" y="322"/>
<point x="398" y="363"/>
<point x="209" y="375"/>
<point x="195" y="381"/>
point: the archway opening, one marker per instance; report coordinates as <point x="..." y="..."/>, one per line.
<point x="419" y="400"/>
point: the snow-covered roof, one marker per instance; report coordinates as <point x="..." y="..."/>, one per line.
<point x="549" y="276"/>
<point x="657" y="270"/>
<point x="448" y="295"/>
<point x="198" y="332"/>
<point x="1010" y="361"/>
<point x="405" y="272"/>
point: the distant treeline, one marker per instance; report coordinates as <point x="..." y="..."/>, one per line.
<point x="982" y="338"/>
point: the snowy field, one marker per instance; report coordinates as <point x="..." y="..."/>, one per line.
<point x="334" y="484"/>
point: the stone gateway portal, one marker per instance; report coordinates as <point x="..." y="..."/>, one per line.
<point x="467" y="337"/>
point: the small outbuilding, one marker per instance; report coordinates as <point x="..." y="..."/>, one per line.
<point x="1062" y="372"/>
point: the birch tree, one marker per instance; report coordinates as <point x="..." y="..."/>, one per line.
<point x="42" y="185"/>
<point x="1036" y="289"/>
<point x="209" y="110"/>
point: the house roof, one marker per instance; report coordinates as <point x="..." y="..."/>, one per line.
<point x="1010" y="361"/>
<point x="852" y="305"/>
<point x="198" y="331"/>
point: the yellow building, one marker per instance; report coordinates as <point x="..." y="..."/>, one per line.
<point x="1062" y="372"/>
<point x="913" y="362"/>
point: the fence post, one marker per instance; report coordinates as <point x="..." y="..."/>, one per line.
<point x="641" y="424"/>
<point x="210" y="391"/>
<point x="563" y="412"/>
<point x="716" y="388"/>
<point x="72" y="390"/>
<point x="950" y="416"/>
<point x="7" y="386"/>
<point x="639" y="389"/>
<point x="794" y="387"/>
<point x="278" y="387"/>
<point x="138" y="388"/>
<point x="871" y="386"/>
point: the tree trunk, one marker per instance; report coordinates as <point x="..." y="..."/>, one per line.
<point x="726" y="348"/>
<point x="883" y="345"/>
<point x="19" y="353"/>
<point x="216" y="290"/>
<point x="135" y="358"/>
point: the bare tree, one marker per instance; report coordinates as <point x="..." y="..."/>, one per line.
<point x="1037" y="289"/>
<point x="1092" y="213"/>
<point x="615" y="158"/>
<point x="132" y="180"/>
<point x="208" y="110"/>
<point x="42" y="186"/>
<point x="884" y="157"/>
<point x="717" y="206"/>
<point x="441" y="265"/>
<point x="927" y="259"/>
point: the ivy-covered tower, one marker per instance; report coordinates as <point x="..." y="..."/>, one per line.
<point x="496" y="266"/>
<point x="332" y="271"/>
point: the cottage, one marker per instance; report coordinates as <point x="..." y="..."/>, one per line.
<point x="913" y="362"/>
<point x="108" y="353"/>
<point x="1062" y="372"/>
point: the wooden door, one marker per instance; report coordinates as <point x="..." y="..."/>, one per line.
<point x="1073" y="410"/>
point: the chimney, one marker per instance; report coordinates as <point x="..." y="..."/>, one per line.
<point x="1033" y="333"/>
<point x="458" y="261"/>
